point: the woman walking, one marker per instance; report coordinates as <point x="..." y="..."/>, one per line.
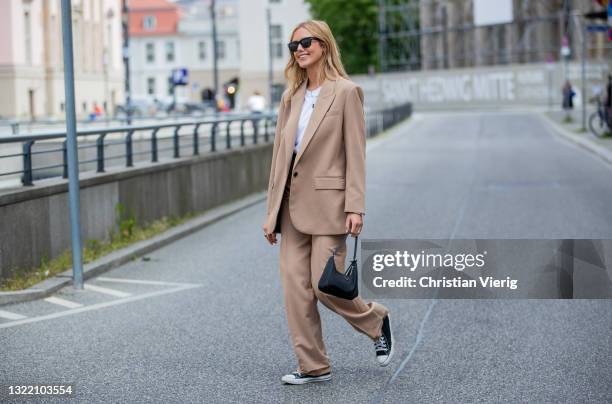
<point x="316" y="196"/>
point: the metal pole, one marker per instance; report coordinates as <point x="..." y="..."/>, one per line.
<point x="583" y="73"/>
<point x="126" y="60"/>
<point x="381" y="35"/>
<point x="213" y="16"/>
<point x="270" y="58"/>
<point x="73" y="157"/>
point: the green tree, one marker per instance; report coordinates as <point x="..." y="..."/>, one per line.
<point x="354" y="24"/>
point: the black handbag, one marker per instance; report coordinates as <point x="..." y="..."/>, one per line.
<point x="344" y="285"/>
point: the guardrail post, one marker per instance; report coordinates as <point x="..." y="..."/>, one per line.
<point x="228" y="136"/>
<point x="154" y="145"/>
<point x="128" y="149"/>
<point x="213" y="137"/>
<point x="65" y="158"/>
<point x="255" y="130"/>
<point x="176" y="141"/>
<point x="26" y="179"/>
<point x="242" y="132"/>
<point x="100" y="152"/>
<point x="196" y="144"/>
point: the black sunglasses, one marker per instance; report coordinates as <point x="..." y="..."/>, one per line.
<point x="305" y="42"/>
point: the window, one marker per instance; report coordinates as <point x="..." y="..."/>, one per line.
<point x="151" y="85"/>
<point x="27" y="22"/>
<point x="276" y="34"/>
<point x="169" y="51"/>
<point x="277" y="92"/>
<point x="221" y="49"/>
<point x="150" y="50"/>
<point x="149" y="22"/>
<point x="202" y="50"/>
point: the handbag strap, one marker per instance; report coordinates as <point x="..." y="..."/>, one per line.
<point x="354" y="250"/>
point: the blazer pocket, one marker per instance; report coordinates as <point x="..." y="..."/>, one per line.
<point x="329" y="182"/>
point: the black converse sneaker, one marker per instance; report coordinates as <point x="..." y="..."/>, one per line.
<point x="300" y="378"/>
<point x="384" y="344"/>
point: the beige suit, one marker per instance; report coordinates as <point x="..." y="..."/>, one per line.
<point x="308" y="202"/>
<point x="329" y="172"/>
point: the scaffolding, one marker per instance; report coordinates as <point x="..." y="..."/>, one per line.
<point x="441" y="34"/>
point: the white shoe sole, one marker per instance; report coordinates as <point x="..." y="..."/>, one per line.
<point x="390" y="356"/>
<point x="306" y="381"/>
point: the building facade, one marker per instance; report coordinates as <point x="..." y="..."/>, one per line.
<point x="450" y="38"/>
<point x="242" y="41"/>
<point x="254" y="49"/>
<point x="31" y="63"/>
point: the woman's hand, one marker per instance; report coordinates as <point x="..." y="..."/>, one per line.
<point x="270" y="236"/>
<point x="354" y="223"/>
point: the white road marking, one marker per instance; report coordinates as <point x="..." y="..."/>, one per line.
<point x="97" y="306"/>
<point x="11" y="316"/>
<point x="106" y="291"/>
<point x="63" y="302"/>
<point x="122" y="280"/>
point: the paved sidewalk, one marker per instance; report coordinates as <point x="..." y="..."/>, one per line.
<point x="575" y="132"/>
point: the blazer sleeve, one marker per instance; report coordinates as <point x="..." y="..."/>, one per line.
<point x="354" y="143"/>
<point x="279" y="125"/>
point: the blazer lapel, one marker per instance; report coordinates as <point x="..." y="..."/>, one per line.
<point x="324" y="101"/>
<point x="292" y="123"/>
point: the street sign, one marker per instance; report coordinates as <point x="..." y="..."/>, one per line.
<point x="597" y="28"/>
<point x="180" y="77"/>
<point x="609" y="20"/>
<point x="565" y="49"/>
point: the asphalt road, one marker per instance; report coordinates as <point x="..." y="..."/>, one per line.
<point x="221" y="335"/>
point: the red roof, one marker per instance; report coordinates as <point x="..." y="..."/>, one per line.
<point x="166" y="13"/>
<point x="141" y="5"/>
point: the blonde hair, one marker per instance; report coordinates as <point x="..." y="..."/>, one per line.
<point x="330" y="63"/>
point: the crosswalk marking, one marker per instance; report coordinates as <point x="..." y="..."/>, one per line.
<point x="63" y="302"/>
<point x="107" y="291"/>
<point x="123" y="280"/>
<point x="97" y="306"/>
<point x="11" y="316"/>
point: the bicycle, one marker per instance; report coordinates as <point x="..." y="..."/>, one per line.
<point x="600" y="121"/>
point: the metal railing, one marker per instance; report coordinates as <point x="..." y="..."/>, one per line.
<point x="120" y="142"/>
<point x="236" y="130"/>
<point x="377" y="121"/>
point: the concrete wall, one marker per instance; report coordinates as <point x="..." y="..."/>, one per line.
<point x="537" y="84"/>
<point x="35" y="220"/>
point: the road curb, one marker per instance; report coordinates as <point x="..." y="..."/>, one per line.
<point x="585" y="143"/>
<point x="136" y="250"/>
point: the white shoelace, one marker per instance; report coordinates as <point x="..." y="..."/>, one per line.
<point x="380" y="344"/>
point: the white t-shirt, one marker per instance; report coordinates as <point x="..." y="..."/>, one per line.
<point x="309" y="101"/>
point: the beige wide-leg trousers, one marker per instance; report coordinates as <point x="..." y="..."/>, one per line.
<point x="302" y="260"/>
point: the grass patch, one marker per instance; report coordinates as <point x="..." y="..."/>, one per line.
<point x="129" y="233"/>
<point x="568" y="119"/>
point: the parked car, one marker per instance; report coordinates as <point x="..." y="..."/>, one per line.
<point x="139" y="108"/>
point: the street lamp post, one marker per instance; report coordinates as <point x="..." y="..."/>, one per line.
<point x="73" y="157"/>
<point x="126" y="60"/>
<point x="213" y="16"/>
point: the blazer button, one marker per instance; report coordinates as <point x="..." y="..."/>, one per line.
<point x="295" y="174"/>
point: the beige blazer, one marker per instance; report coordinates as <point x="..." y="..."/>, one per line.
<point x="328" y="178"/>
